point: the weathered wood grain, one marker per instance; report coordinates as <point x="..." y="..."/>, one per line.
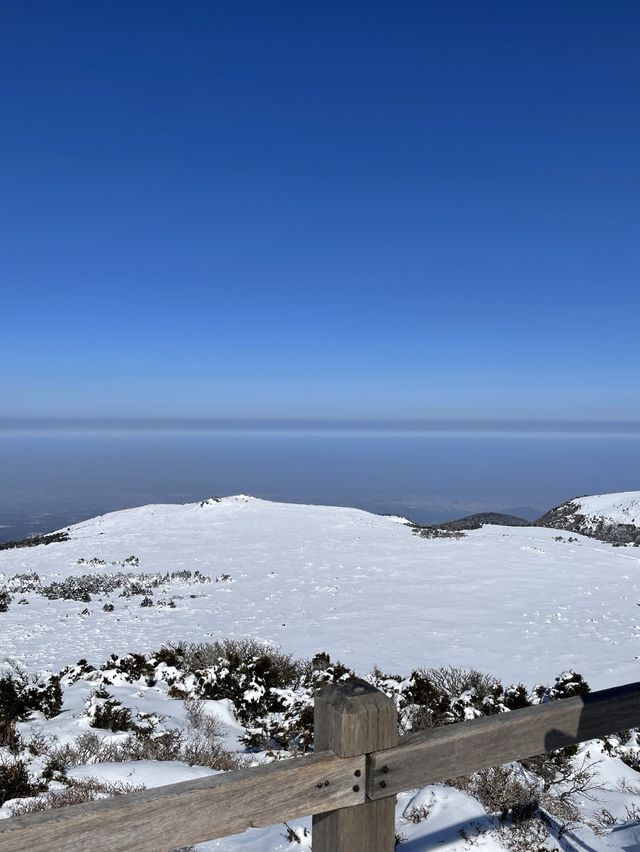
<point x="177" y="815"/>
<point x="355" y="718"/>
<point x="441" y="753"/>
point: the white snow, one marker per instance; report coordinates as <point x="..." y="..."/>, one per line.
<point x="146" y="773"/>
<point x="512" y="601"/>
<point x="620" y="508"/>
<point x="521" y="603"/>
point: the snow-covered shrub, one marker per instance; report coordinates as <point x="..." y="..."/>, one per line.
<point x="81" y="587"/>
<point x="5" y="600"/>
<point x="108" y="713"/>
<point x="424" y="704"/>
<point x="82" y="670"/>
<point x="272" y="693"/>
<point x="567" y="684"/>
<point x="244" y="671"/>
<point x="23" y="584"/>
<point x="130" y="667"/>
<point x="446" y="695"/>
<point x="171" y="655"/>
<point x="46" y="696"/>
<point x="291" y="726"/>
<point x="21" y="695"/>
<point x="624" y="745"/>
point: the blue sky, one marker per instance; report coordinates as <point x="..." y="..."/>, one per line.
<point x="306" y="209"/>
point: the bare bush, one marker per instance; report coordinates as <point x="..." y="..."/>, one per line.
<point x="530" y="802"/>
<point x="202" y="721"/>
<point x="456" y="681"/>
<point x="78" y="792"/>
<point x="203" y="655"/>
<point x="14" y="780"/>
<point x="501" y="792"/>
<point x="417" y="814"/>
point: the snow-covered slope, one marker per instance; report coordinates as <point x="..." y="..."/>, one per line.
<point x="622" y="508"/>
<point x="614" y="518"/>
<point x="363" y="587"/>
<point x="521" y="603"/>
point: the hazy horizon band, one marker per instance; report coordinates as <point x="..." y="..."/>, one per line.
<point x="361" y="426"/>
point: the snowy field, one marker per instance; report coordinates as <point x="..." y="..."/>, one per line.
<point x="513" y="601"/>
<point x="521" y="603"/>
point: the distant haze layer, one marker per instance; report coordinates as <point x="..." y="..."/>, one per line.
<point x="53" y="477"/>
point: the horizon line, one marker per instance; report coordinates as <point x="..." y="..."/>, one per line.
<point x="315" y="424"/>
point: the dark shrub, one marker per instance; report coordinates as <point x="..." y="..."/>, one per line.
<point x="9" y="736"/>
<point x="14" y="781"/>
<point x="171" y="655"/>
<point x="111" y="716"/>
<point x="429" y="705"/>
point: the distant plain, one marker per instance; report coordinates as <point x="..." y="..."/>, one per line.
<point x="57" y="474"/>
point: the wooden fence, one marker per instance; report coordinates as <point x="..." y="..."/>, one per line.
<point x="349" y="784"/>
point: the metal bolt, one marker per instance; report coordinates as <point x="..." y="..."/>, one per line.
<point x="355" y="788"/>
<point x="326" y="783"/>
<point x="357" y="773"/>
<point x="319" y="786"/>
<point x="385" y="769"/>
<point x="383" y="783"/>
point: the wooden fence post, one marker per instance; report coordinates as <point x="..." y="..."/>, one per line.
<point x="355" y="718"/>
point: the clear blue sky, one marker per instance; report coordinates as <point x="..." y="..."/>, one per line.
<point x="340" y="209"/>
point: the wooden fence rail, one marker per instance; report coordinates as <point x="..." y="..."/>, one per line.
<point x="348" y="785"/>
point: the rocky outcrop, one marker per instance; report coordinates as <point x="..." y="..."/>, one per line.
<point x="573" y="516"/>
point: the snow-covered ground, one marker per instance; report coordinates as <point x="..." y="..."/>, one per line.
<point x="521" y="603"/>
<point x="622" y="508"/>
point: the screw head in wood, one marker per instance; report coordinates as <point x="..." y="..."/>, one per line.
<point x="357" y="773"/>
<point x="355" y="788"/>
<point x="385" y="769"/>
<point x="383" y="783"/>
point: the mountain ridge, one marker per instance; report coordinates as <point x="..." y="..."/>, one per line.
<point x="613" y="518"/>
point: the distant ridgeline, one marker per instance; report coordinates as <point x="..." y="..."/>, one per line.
<point x="35" y="540"/>
<point x="612" y="518"/>
<point x="456" y="529"/>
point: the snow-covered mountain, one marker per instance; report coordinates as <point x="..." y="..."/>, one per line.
<point x="614" y="518"/>
<point x="363" y="587"/>
<point x="522" y="603"/>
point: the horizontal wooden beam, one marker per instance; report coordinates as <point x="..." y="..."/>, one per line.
<point x="191" y="812"/>
<point x="441" y="753"/>
<point x="178" y="815"/>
